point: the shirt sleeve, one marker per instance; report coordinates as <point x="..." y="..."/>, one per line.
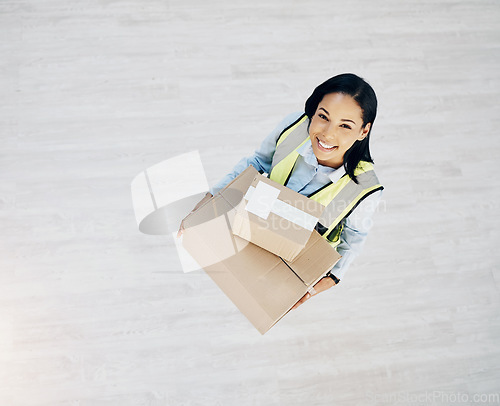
<point x="353" y="236"/>
<point x="262" y="157"/>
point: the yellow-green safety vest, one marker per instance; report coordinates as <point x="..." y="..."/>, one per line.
<point x="340" y="198"/>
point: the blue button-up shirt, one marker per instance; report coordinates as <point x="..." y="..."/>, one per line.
<point x="307" y="177"/>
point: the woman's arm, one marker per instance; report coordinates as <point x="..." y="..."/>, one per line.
<point x="353" y="236"/>
<point x="352" y="239"/>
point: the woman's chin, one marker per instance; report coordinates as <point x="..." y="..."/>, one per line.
<point x="328" y="160"/>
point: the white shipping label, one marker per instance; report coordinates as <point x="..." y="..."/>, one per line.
<point x="262" y="200"/>
<point x="297" y="216"/>
<point x="285" y="210"/>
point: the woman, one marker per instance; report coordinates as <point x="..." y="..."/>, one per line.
<point x="324" y="154"/>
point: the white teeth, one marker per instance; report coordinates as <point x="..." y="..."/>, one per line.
<point x="326" y="146"/>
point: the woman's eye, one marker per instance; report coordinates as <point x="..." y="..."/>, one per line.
<point x="346" y="126"/>
<point x="322" y="116"/>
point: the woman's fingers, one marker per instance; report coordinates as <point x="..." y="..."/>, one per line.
<point x="304" y="298"/>
<point x="181" y="229"/>
<point x="322" y="285"/>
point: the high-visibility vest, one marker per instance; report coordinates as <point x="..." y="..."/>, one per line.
<point x="340" y="198"/>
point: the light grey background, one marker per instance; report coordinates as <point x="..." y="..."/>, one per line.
<point x="92" y="312"/>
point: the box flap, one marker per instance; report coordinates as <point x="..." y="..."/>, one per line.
<point x="315" y="260"/>
<point x="234" y="191"/>
<point x="281" y="222"/>
<point x="268" y="234"/>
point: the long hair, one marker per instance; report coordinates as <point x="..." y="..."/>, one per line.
<point x="356" y="87"/>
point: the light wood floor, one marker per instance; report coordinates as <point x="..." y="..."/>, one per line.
<point x="92" y="312"/>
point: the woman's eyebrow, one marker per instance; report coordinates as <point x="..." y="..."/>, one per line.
<point x="343" y="119"/>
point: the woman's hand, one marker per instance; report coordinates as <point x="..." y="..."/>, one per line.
<point x="322" y="285"/>
<point x="207" y="197"/>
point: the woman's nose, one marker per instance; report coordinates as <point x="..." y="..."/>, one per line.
<point x="330" y="134"/>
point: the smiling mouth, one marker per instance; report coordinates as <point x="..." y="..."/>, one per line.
<point x="325" y="147"/>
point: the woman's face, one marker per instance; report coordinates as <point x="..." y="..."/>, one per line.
<point x="335" y="127"/>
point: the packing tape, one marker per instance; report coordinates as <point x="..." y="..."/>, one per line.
<point x="264" y="199"/>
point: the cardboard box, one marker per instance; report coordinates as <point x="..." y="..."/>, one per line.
<point x="261" y="284"/>
<point x="275" y="217"/>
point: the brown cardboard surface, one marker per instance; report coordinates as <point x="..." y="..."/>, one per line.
<point x="276" y="234"/>
<point x="317" y="254"/>
<point x="259" y="283"/>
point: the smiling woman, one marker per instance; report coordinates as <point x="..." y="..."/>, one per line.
<point x="323" y="153"/>
<point x="333" y="134"/>
<point x="353" y="103"/>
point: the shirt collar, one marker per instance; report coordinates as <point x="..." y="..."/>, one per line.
<point x="307" y="153"/>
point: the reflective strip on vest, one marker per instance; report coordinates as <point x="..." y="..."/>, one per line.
<point x="341" y="197"/>
<point x="344" y="195"/>
<point x="285" y="155"/>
